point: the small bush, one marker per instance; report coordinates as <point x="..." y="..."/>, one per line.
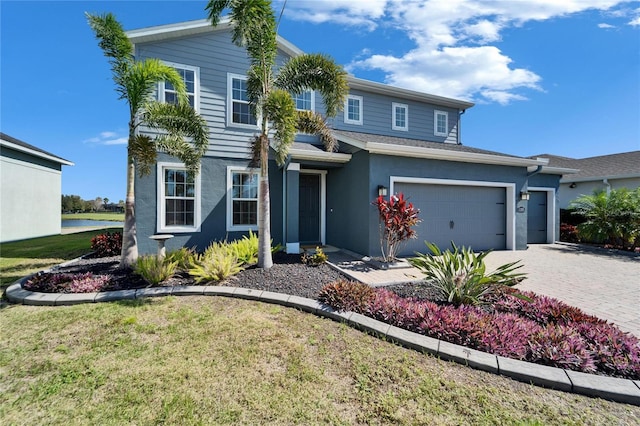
<point x="397" y="219"/>
<point x="154" y="270"/>
<point x="217" y="263"/>
<point x="569" y="233"/>
<point x="460" y="275"/>
<point x="183" y="257"/>
<point x="107" y="244"/>
<point x="245" y="249"/>
<point x="316" y="259"/>
<point x="67" y="283"/>
<point x="345" y="295"/>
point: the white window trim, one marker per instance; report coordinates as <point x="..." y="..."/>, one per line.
<point x="346" y="110"/>
<point x="196" y="88"/>
<point x="395" y="105"/>
<point x="230" y="226"/>
<point x="313" y="101"/>
<point x="230" y="100"/>
<point x="160" y="224"/>
<point x="435" y="123"/>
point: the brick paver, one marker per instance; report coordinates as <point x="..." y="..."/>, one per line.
<point x="600" y="282"/>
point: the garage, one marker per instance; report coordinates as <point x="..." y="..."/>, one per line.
<point x="537" y="218"/>
<point x="470" y="215"/>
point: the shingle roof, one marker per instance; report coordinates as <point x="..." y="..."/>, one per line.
<point x="389" y="140"/>
<point x="30" y="147"/>
<point x="624" y="164"/>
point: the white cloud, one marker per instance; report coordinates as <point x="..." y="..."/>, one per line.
<point x="605" y="26"/>
<point x="453" y="55"/>
<point x="107" y="138"/>
<point x="635" y="22"/>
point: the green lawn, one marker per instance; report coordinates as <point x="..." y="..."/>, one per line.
<point x="116" y="217"/>
<point x="21" y="258"/>
<point x="214" y="360"/>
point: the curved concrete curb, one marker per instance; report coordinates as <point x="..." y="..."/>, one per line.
<point x="612" y="388"/>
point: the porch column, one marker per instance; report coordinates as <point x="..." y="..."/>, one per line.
<point x="292" y="208"/>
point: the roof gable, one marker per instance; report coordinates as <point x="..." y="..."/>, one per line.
<point x="18" y="145"/>
<point x="620" y="165"/>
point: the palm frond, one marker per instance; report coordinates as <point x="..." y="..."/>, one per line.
<point x="314" y="124"/>
<point x="179" y="123"/>
<point x="281" y="111"/>
<point x="316" y="72"/>
<point x="142" y="149"/>
<point x="142" y="78"/>
<point x="214" y="10"/>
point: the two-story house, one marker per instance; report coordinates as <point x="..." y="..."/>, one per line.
<point x="391" y="140"/>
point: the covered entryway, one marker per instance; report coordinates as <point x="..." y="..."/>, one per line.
<point x="475" y="216"/>
<point x="309" y="208"/>
<point x="537" y="218"/>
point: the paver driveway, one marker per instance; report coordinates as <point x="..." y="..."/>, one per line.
<point x="602" y="283"/>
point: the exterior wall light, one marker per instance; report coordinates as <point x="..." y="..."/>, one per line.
<point x="573" y="185"/>
<point x="524" y="196"/>
<point x="382" y="191"/>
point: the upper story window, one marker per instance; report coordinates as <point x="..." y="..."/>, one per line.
<point x="304" y="101"/>
<point x="178" y="199"/>
<point x="238" y="109"/>
<point x="242" y="199"/>
<point x="400" y="119"/>
<point x="353" y="110"/>
<point x="440" y="123"/>
<point x="191" y="77"/>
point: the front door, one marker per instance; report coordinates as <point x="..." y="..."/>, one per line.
<point x="309" y="209"/>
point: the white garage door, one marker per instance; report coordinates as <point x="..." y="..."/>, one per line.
<point x="473" y="216"/>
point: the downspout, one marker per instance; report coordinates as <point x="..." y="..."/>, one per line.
<point x="459" y="135"/>
<point x="529" y="174"/>
<point x="608" y="185"/>
<point x="284" y="199"/>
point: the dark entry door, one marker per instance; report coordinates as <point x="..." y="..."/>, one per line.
<point x="537" y="218"/>
<point x="309" y="199"/>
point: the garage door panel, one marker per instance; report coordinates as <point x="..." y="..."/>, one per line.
<point x="467" y="215"/>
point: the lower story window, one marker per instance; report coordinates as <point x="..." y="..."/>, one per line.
<point x="242" y="206"/>
<point x="179" y="199"/>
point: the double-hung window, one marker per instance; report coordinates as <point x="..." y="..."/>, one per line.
<point x="353" y="110"/>
<point x="304" y="101"/>
<point x="239" y="111"/>
<point x="242" y="199"/>
<point x="191" y="77"/>
<point x="400" y="117"/>
<point x="440" y="123"/>
<point x="178" y="199"/>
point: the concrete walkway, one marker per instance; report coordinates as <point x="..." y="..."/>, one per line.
<point x="600" y="282"/>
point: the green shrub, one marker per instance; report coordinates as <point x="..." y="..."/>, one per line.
<point x="245" y="249"/>
<point x="460" y="275"/>
<point x="612" y="218"/>
<point x="183" y="257"/>
<point x="217" y="263"/>
<point x="154" y="270"/>
<point x="318" y="258"/>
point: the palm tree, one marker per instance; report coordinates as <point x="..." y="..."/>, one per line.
<point x="270" y="95"/>
<point x="136" y="82"/>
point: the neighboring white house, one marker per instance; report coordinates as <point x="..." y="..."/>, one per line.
<point x="30" y="190"/>
<point x="604" y="172"/>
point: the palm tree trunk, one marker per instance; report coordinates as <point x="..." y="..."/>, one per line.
<point x="265" y="261"/>
<point x="129" y="240"/>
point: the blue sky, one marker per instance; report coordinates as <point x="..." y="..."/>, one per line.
<point x="550" y="76"/>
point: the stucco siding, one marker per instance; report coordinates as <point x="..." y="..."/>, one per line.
<point x="382" y="167"/>
<point x="349" y="196"/>
<point x="30" y="196"/>
<point x="566" y="194"/>
<point x="377" y="118"/>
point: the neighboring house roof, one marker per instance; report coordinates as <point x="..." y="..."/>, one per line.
<point x="201" y="26"/>
<point x="387" y="145"/>
<point x="613" y="166"/>
<point x="18" y="145"/>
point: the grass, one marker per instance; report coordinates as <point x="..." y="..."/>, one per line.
<point x="214" y="360"/>
<point x="115" y="217"/>
<point x="21" y="258"/>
